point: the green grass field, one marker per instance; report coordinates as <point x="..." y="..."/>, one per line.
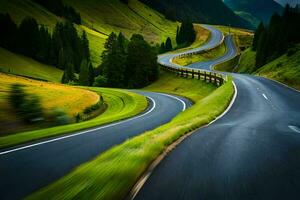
<point x="190" y="88"/>
<point x="284" y="69"/>
<point x="201" y="57"/>
<point x="52" y="96"/>
<point x="112" y="174"/>
<point x="247" y="62"/>
<point x="24" y="66"/>
<point x="121" y="104"/>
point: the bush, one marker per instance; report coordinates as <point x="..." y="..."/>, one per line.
<point x="59" y="117"/>
<point x="31" y="109"/>
<point x="100" y="81"/>
<point x="17" y="96"/>
<point x="25" y="105"/>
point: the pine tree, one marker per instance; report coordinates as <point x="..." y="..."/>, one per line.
<point x="162" y="48"/>
<point x="141" y="67"/>
<point x="84" y="73"/>
<point x="258" y="32"/>
<point x="186" y="34"/>
<point x="91" y="75"/>
<point x="28" y="37"/>
<point x="169" y="44"/>
<point x="9" y="33"/>
<point x="85" y="47"/>
<point x="177" y="35"/>
<point x="68" y="74"/>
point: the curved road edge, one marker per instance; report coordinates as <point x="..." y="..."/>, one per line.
<point x="144" y="177"/>
<point x="151" y="106"/>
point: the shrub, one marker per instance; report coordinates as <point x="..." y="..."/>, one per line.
<point x="25" y="105"/>
<point x="100" y="81"/>
<point x="58" y="117"/>
<point x="17" y="96"/>
<point x="31" y="109"/>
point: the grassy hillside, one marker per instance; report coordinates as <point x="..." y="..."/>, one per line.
<point x="111" y="15"/>
<point x="121" y="104"/>
<point x="250" y="18"/>
<point x="100" y="18"/>
<point x="284" y="69"/>
<point x="69" y="99"/>
<point x="247" y="62"/>
<point x="198" y="11"/>
<point x="24" y="66"/>
<point x="191" y="88"/>
<point x="102" y="178"/>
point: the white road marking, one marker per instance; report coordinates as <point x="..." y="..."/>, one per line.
<point x="95" y="129"/>
<point x="265" y="96"/>
<point x="80" y="133"/>
<point x="173" y="97"/>
<point x="230" y="105"/>
<point x="294" y="128"/>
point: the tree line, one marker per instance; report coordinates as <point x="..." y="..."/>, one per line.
<point x="127" y="64"/>
<point x="60" y="9"/>
<point x="185" y="36"/>
<point x="281" y="34"/>
<point x="64" y="48"/>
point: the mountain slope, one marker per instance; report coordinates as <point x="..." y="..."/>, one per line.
<point x="24" y="66"/>
<point x="261" y="9"/>
<point x="213" y="11"/>
<point x="284" y="69"/>
<point x="291" y="2"/>
<point x="100" y="18"/>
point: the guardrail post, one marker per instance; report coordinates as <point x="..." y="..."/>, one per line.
<point x="193" y="74"/>
<point x="205" y="76"/>
<point x="198" y="74"/>
<point x="181" y="71"/>
<point x="221" y="80"/>
<point x="215" y="78"/>
<point x="210" y="79"/>
<point x="187" y="73"/>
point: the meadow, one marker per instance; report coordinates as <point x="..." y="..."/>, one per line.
<point x="71" y="100"/>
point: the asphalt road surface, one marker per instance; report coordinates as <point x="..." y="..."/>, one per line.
<point x="27" y="168"/>
<point x="253" y="152"/>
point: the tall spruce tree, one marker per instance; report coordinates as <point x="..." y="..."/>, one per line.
<point x="85" y="47"/>
<point x="84" y="73"/>
<point x="8" y="35"/>
<point x="114" y="58"/>
<point x="68" y="75"/>
<point x="169" y="46"/>
<point x="141" y="67"/>
<point x="258" y="32"/>
<point x="28" y="37"/>
<point x="162" y="48"/>
<point x="91" y="74"/>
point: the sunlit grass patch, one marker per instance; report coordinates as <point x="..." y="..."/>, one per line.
<point x="121" y="104"/>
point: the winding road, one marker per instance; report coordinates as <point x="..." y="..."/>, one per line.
<point x="252" y="152"/>
<point x="27" y="168"/>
